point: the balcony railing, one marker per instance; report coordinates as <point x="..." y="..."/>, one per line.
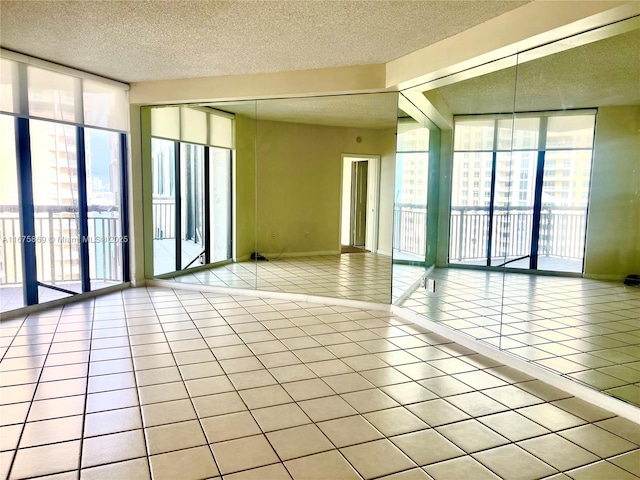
<point x="561" y="232"/>
<point x="410" y="228"/>
<point x="57" y="243"/>
<point x="164" y="214"/>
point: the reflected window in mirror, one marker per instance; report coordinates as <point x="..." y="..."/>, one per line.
<point x="520" y="190"/>
<point x="191" y="164"/>
<point x="410" y="212"/>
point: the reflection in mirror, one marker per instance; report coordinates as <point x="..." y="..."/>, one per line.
<point x="582" y="107"/>
<point x="415" y="198"/>
<point x="544" y="221"/>
<point x="325" y="195"/>
<point x="464" y="261"/>
<point x="203" y="204"/>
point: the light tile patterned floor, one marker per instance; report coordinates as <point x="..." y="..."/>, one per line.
<point x="162" y="383"/>
<point x="587" y="330"/>
<point x="355" y="276"/>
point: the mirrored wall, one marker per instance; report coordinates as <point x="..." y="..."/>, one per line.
<point x="538" y="209"/>
<point x="502" y="202"/>
<point x="296" y="196"/>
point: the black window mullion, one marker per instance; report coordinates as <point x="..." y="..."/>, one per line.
<point x="537" y="200"/>
<point x="83" y="211"/>
<point x="178" y="212"/>
<point x="26" y="209"/>
<point x="124" y="208"/>
<point x="492" y="197"/>
<point x="207" y="205"/>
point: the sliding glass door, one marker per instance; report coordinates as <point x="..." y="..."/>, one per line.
<point x="191" y="205"/>
<point x="63" y="170"/>
<point x="520" y="190"/>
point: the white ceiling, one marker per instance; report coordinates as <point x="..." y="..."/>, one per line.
<point x="378" y="110"/>
<point x="602" y="73"/>
<point x="135" y="41"/>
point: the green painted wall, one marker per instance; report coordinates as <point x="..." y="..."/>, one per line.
<point x="299" y="171"/>
<point x="613" y="229"/>
<point x="245" y="182"/>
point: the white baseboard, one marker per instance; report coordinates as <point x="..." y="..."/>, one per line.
<point x="606" y="278"/>
<point x="588" y="394"/>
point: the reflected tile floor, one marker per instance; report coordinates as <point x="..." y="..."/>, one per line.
<point x="161" y="383"/>
<point x="587" y="330"/>
<point x="355" y="276"/>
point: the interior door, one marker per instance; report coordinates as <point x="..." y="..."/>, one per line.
<point x="359" y="177"/>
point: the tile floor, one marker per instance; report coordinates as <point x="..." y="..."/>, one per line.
<point x="162" y="383"/>
<point x="355" y="276"/>
<point x="587" y="330"/>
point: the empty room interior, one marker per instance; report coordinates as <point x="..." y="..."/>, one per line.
<point x="320" y="240"/>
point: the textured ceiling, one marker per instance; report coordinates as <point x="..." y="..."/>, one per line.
<point x="602" y="73"/>
<point x="142" y="40"/>
<point x="360" y="111"/>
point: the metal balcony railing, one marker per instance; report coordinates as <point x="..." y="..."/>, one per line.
<point x="410" y="228"/>
<point x="164" y="214"/>
<point x="562" y="232"/>
<point x="58" y="244"/>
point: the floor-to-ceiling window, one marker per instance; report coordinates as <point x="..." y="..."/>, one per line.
<point x="191" y="164"/>
<point x="520" y="190"/>
<point x="62" y="207"/>
<point x="410" y="211"/>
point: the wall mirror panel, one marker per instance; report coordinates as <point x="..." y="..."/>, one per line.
<point x="312" y="184"/>
<point x="325" y="169"/>
<point x="458" y="281"/>
<point x="544" y="264"/>
<point x="579" y="101"/>
<point x="203" y="193"/>
<point x="416" y="198"/>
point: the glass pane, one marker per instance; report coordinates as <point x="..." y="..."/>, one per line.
<point x="474" y="134"/>
<point x="565" y="196"/>
<point x="105" y="106"/>
<point x="55" y="198"/>
<point x="8" y="90"/>
<point x="103" y="198"/>
<point x="164" y="205"/>
<point x="51" y="95"/>
<point x="410" y="215"/>
<point x="525" y="136"/>
<point x="11" y="247"/>
<point x="192" y="204"/>
<point x="571" y="131"/>
<point x="412" y="137"/>
<point x="470" y="199"/>
<point x="220" y="184"/>
<point x="513" y="208"/>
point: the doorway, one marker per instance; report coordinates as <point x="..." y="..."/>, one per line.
<point x="359" y="216"/>
<point x="358" y="224"/>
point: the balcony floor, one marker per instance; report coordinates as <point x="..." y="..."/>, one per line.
<point x="11" y="295"/>
<point x="550" y="264"/>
